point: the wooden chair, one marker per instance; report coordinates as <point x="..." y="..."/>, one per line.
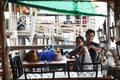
<point x="16" y="66"/>
<point x="77" y="67"/>
<point x="38" y="71"/>
<point x="118" y="48"/>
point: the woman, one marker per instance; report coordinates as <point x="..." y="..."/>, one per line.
<point x="81" y="53"/>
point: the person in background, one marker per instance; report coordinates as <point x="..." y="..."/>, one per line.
<point x="93" y="47"/>
<point x="81" y="51"/>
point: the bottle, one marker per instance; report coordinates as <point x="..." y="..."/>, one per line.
<point x="52" y="48"/>
<point x="52" y="51"/>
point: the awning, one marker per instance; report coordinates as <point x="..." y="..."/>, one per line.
<point x="68" y="7"/>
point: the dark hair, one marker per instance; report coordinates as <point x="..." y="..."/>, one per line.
<point x="80" y="37"/>
<point x="90" y="31"/>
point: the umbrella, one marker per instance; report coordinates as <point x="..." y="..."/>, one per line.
<point x="68" y="7"/>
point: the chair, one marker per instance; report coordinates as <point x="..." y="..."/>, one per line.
<point x="78" y="68"/>
<point x="118" y="48"/>
<point x="16" y="66"/>
<point x="38" y="72"/>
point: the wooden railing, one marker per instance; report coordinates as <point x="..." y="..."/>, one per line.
<point x="11" y="48"/>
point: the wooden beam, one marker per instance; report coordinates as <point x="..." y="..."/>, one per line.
<point x="107" y="27"/>
<point x="116" y="17"/>
<point x="3" y="44"/>
<point x="5" y="3"/>
<point x="11" y="48"/>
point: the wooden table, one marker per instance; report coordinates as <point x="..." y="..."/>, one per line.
<point x="52" y="62"/>
<point x="39" y="63"/>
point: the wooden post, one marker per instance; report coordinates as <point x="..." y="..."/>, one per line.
<point x="116" y="17"/>
<point x="107" y="27"/>
<point x="3" y="44"/>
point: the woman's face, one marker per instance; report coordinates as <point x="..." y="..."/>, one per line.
<point x="90" y="37"/>
<point x="79" y="42"/>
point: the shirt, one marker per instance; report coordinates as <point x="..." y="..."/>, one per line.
<point x="93" y="53"/>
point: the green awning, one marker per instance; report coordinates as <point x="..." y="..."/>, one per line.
<point x="68" y="7"/>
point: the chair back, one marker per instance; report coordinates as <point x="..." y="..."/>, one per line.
<point x="81" y="67"/>
<point x="118" y="48"/>
<point x="16" y="66"/>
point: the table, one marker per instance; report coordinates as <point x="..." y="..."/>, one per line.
<point x="62" y="62"/>
<point x="54" y="64"/>
<point x="40" y="63"/>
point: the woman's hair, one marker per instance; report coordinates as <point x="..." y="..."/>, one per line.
<point x="89" y="31"/>
<point x="80" y="37"/>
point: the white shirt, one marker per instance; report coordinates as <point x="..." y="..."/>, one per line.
<point x="87" y="59"/>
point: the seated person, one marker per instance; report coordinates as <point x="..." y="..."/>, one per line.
<point x="93" y="47"/>
<point x="81" y="51"/>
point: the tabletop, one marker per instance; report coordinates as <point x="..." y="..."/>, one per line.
<point x="52" y="62"/>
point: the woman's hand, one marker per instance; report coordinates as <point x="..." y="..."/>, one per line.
<point x="93" y="47"/>
<point x="89" y="46"/>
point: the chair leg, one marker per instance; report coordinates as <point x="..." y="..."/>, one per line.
<point x="41" y="71"/>
<point x="53" y="75"/>
<point x="68" y="75"/>
<point x="25" y="75"/>
<point x="96" y="74"/>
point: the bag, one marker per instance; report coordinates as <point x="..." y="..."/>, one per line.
<point x="32" y="56"/>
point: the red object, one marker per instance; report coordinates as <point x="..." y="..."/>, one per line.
<point x="25" y="10"/>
